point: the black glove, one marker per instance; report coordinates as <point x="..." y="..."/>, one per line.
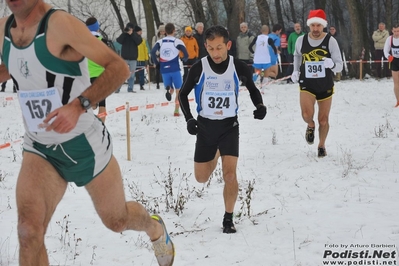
<point x="260" y="111"/>
<point x="192" y="126"/>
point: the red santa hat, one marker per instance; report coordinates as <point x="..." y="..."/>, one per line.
<point x="317" y="16"/>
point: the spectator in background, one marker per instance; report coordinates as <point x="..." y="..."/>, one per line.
<point x="142" y="57"/>
<point x="130" y="40"/>
<point x="333" y="33"/>
<point x="291" y="47"/>
<point x="244" y="39"/>
<point x="192" y="49"/>
<point x="118" y="47"/>
<point x="161" y="34"/>
<point x="291" y="29"/>
<point x="95" y="70"/>
<point x="199" y="36"/>
<point x="379" y="38"/>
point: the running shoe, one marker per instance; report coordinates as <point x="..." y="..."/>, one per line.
<point x="321" y="152"/>
<point x="167" y="94"/>
<point x="228" y="226"/>
<point x="163" y="247"/>
<point x="309" y="136"/>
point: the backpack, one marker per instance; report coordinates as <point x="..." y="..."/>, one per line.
<point x="108" y="42"/>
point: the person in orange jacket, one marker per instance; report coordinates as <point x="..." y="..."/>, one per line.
<point x="192" y="48"/>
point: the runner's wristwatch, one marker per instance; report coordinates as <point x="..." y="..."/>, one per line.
<point x="84" y="102"/>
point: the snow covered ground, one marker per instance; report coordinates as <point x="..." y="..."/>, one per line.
<point x="293" y="208"/>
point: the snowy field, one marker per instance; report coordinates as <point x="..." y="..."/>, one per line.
<point x="293" y="208"/>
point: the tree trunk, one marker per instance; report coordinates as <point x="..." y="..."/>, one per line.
<point x="213" y="12"/>
<point x="118" y="14"/>
<point x="149" y="19"/>
<point x="339" y="23"/>
<point x="360" y="47"/>
<point x="235" y="11"/>
<point x="130" y="12"/>
<point x="378" y="4"/>
<point x="280" y="19"/>
<point x="264" y="11"/>
<point x="199" y="15"/>
<point x="155" y="13"/>
<point x="292" y="8"/>
<point x="320" y="4"/>
<point x="388" y="14"/>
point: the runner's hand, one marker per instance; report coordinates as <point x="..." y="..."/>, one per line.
<point x="390" y="58"/>
<point x="295" y="76"/>
<point x="260" y="111"/>
<point x="328" y="62"/>
<point x="192" y="126"/>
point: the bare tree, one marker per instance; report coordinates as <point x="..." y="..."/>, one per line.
<point x="155" y="13"/>
<point x="292" y="8"/>
<point x="264" y="11"/>
<point x="199" y="15"/>
<point x="235" y="15"/>
<point x="118" y="14"/>
<point x="279" y="13"/>
<point x="213" y="11"/>
<point x="388" y="13"/>
<point x="149" y="19"/>
<point x="360" y="47"/>
<point x="130" y="12"/>
<point x="320" y="4"/>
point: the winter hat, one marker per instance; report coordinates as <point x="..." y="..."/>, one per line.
<point x="188" y="28"/>
<point x="137" y="28"/>
<point x="317" y="16"/>
<point x="130" y="25"/>
<point x="92" y="24"/>
<point x="161" y="28"/>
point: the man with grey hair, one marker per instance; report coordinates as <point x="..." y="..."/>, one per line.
<point x="379" y="38"/>
<point x="199" y="36"/>
<point x="244" y="39"/>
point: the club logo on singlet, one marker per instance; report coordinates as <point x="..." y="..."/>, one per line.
<point x="23" y="67"/>
<point x="167" y="53"/>
<point x="227" y="85"/>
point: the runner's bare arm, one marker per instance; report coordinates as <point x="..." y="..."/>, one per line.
<point x="69" y="39"/>
<point x="4" y="75"/>
<point x="74" y="39"/>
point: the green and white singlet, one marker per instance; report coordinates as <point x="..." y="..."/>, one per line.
<point x="45" y="83"/>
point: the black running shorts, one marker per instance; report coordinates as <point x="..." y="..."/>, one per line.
<point x="320" y="95"/>
<point x="216" y="134"/>
<point x="394" y="65"/>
